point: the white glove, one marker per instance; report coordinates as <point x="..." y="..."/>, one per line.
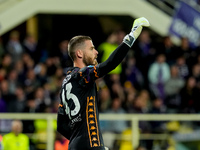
<point x="136" y="30"/>
<point x="106" y="148"/>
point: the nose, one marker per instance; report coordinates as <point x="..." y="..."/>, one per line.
<point x="96" y="52"/>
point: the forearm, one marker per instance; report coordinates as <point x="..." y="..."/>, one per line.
<point x="118" y="55"/>
<point x="114" y="59"/>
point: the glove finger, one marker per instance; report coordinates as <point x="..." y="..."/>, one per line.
<point x="140" y="22"/>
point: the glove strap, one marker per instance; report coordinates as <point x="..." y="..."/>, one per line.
<point x="129" y="40"/>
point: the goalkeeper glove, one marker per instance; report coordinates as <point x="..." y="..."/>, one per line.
<point x="136" y="30"/>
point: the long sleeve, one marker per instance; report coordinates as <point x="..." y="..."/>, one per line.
<point x="114" y="59"/>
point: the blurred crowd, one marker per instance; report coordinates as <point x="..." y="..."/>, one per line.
<point x="30" y="77"/>
<point x="155" y="77"/>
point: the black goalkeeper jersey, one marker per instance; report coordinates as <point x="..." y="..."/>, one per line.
<point x="78" y="117"/>
<point x="79" y="106"/>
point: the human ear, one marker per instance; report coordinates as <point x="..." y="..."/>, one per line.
<point x="79" y="53"/>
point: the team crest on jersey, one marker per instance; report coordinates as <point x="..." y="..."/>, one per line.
<point x="68" y="77"/>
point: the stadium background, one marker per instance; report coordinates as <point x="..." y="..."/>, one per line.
<point x="51" y="22"/>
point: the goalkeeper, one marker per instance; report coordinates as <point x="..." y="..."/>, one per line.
<point x="78" y="117"/>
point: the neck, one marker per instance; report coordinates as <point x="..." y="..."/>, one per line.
<point x="16" y="134"/>
<point x="79" y="64"/>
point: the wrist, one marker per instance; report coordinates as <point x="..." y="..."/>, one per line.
<point x="129" y="40"/>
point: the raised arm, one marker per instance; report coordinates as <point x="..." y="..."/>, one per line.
<point x="118" y="55"/>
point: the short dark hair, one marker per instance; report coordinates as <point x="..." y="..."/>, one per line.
<point x="76" y="42"/>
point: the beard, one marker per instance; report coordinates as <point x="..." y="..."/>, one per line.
<point x="89" y="61"/>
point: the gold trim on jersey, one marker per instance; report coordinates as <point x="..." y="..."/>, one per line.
<point x="95" y="72"/>
<point x="92" y="125"/>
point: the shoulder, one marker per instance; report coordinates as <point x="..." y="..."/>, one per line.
<point x="89" y="70"/>
<point x="23" y="137"/>
<point x="88" y="74"/>
<point x="70" y="70"/>
<point x="86" y="68"/>
<point x="70" y="73"/>
<point x="153" y="66"/>
<point x="8" y="136"/>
